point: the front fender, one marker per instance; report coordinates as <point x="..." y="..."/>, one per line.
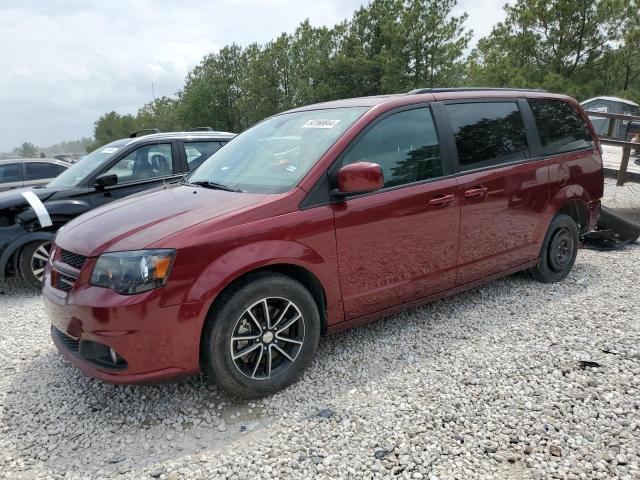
<point x="57" y="209"/>
<point x="243" y="259"/>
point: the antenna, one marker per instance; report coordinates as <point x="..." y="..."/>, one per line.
<point x="155" y="114"/>
<point x="155" y="107"/>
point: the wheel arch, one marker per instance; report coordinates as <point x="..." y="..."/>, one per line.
<point x="577" y="209"/>
<point x="15" y="247"/>
<point x="297" y="272"/>
<point x="303" y="275"/>
<point x="571" y="200"/>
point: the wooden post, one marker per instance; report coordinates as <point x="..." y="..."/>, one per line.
<point x="622" y="173"/>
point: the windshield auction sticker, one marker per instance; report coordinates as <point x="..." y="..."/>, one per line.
<point x="109" y="150"/>
<point x="321" y="123"/>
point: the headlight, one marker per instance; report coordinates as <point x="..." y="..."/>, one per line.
<point x="133" y="272"/>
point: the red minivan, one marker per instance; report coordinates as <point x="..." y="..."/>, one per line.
<point x="319" y="219"/>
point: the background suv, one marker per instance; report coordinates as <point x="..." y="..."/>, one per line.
<point x="29" y="219"/>
<point x="319" y="219"/>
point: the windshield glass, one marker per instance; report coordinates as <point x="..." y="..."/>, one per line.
<point x="87" y="164"/>
<point x="274" y="155"/>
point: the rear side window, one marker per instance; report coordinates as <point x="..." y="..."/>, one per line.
<point x="10" y="172"/>
<point x="488" y="133"/>
<point x="560" y="126"/>
<point x="198" y="152"/>
<point x="404" y="144"/>
<point x="41" y="170"/>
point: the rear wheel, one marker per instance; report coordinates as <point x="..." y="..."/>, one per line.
<point x="559" y="250"/>
<point x="261" y="336"/>
<point x="33" y="258"/>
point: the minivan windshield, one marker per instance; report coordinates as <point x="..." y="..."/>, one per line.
<point x="272" y="156"/>
<point x="79" y="171"/>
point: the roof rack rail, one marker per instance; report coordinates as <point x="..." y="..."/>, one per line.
<point x="472" y="89"/>
<point x="146" y="131"/>
<point x="199" y="129"/>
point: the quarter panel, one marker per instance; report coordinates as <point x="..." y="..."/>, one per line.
<point x="499" y="229"/>
<point x="574" y="175"/>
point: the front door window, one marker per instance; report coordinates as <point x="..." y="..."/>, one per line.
<point x="146" y="162"/>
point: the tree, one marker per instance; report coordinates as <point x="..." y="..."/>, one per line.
<point x="580" y="47"/>
<point x="629" y="53"/>
<point x="556" y="44"/>
<point x="212" y="90"/>
<point x="112" y="126"/>
<point x="163" y="113"/>
<point x="435" y="42"/>
<point x="27" y="149"/>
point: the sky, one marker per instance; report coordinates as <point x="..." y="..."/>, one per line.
<point x="66" y="62"/>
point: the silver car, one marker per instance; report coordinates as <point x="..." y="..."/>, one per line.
<point x="29" y="172"/>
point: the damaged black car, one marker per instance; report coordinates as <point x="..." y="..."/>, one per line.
<point x="30" y="218"/>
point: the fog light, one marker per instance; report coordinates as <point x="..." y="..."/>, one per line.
<point x="114" y="355"/>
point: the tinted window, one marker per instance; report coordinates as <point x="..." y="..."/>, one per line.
<point x="198" y="152"/>
<point x="488" y="133"/>
<point x="404" y="144"/>
<point x="149" y="161"/>
<point x="560" y="126"/>
<point x="10" y="172"/>
<point x="41" y="170"/>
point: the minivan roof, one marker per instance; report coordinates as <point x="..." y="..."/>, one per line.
<point x="431" y="94"/>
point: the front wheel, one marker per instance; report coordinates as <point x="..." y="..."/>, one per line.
<point x="33" y="258"/>
<point x="261" y="336"/>
<point x="559" y="250"/>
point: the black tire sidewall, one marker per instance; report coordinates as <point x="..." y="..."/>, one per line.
<point x="542" y="271"/>
<point x="217" y="361"/>
<point x="24" y="263"/>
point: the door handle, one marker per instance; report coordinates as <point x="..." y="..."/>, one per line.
<point x="478" y="191"/>
<point x="441" y="199"/>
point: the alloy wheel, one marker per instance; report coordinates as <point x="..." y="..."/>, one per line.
<point x="39" y="259"/>
<point x="267" y="338"/>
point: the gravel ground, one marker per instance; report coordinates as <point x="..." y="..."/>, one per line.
<point x="491" y="383"/>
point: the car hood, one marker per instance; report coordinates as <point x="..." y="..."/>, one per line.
<point x="14" y="198"/>
<point x="140" y="220"/>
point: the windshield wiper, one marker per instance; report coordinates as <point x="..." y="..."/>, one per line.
<point x="216" y="186"/>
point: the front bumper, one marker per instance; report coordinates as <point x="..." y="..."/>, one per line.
<point x="152" y="342"/>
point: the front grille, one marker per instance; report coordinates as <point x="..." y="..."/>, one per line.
<point x="72" y="259"/>
<point x="64" y="282"/>
<point x="71" y="343"/>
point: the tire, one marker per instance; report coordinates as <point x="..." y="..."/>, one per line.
<point x="250" y="375"/>
<point x="32" y="260"/>
<point x="623" y="228"/>
<point x="559" y="250"/>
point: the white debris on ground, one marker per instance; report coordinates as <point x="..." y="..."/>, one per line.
<point x="516" y="379"/>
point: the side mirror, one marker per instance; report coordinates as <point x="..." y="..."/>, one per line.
<point x="103" y="181"/>
<point x="359" y="177"/>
